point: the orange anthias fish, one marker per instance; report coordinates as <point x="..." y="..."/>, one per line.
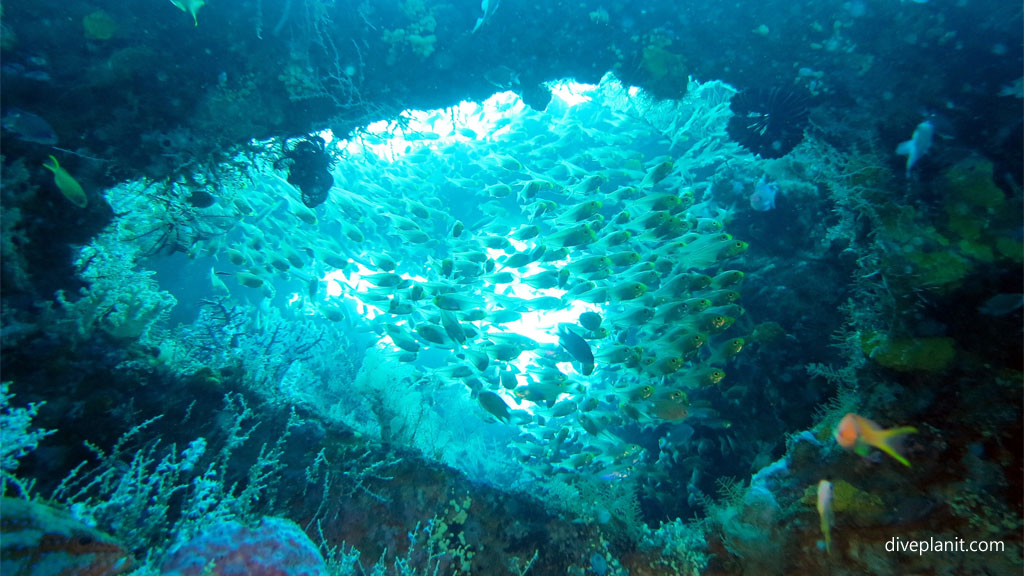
<point x="859" y="434"/>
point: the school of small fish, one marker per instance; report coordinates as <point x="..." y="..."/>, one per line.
<point x="444" y="246"/>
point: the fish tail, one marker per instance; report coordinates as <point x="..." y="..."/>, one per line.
<point x="888" y="439"/>
<point x="827" y="519"/>
<point x="826" y="531"/>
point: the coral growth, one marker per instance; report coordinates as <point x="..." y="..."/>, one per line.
<point x="910" y="354"/>
<point x="119" y="300"/>
<point x="16" y="436"/>
<point x="416" y="38"/>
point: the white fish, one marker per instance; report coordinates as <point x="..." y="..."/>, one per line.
<point x="918" y="145"/>
<point x="763" y="198"/>
<point x="489" y="9"/>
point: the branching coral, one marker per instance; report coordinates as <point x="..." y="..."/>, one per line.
<point x="594" y="500"/>
<point x="16" y="438"/>
<point x="279" y="355"/>
<point x="171" y="220"/>
<point x="120" y="300"/>
<point x="153" y="496"/>
<point x="846" y="399"/>
<point x="752" y="525"/>
<point x="683" y="547"/>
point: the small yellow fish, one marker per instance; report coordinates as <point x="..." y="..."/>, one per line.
<point x="657" y="174"/>
<point x="578" y="235"/>
<point x="495" y="405"/>
<point x="666" y="366"/>
<point x="580" y="211"/>
<point x="332" y="314"/>
<point x="353" y="233"/>
<point x="68" y="186"/>
<point x="249" y="280"/>
<point x="628" y="291"/>
<point x="235" y="257"/>
<point x="727" y="279"/>
<point x="333" y="260"/>
<point x="456" y="302"/>
<point x="704" y="377"/>
<point x="628" y="258"/>
<point x="726" y="351"/>
<point x="640" y="393"/>
<point x="218" y="284"/>
<point x="674" y="407"/>
<point x="589" y="264"/>
<point x="658" y="202"/>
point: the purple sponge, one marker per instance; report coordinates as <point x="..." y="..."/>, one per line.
<point x="277" y="547"/>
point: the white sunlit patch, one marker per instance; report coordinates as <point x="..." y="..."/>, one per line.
<point x="333" y="286"/>
<point x="566" y="368"/>
<point x="495" y="253"/>
<point x="327" y="135"/>
<point x="572" y="93"/>
<point x="466" y="121"/>
<point x="337" y="281"/>
<point x="542" y="325"/>
<point x="519" y="245"/>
